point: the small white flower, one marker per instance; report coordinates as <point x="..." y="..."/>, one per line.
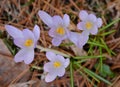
<point x="90" y="23"/>
<point x="26" y="40"/>
<point x="58" y="26"/>
<point x="56" y="66"/>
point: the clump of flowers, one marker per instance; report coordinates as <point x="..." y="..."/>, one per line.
<point x="90" y="23"/>
<point x="58" y="26"/>
<point x="56" y="66"/>
<point x="26" y="40"/>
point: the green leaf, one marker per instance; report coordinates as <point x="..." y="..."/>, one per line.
<point x="106" y="71"/>
<point x="108" y="25"/>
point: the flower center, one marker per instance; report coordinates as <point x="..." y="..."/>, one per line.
<point x="88" y="25"/>
<point x="60" y="30"/>
<point x="28" y="42"/>
<point x="57" y="64"/>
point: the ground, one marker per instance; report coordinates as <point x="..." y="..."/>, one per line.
<point x="97" y="64"/>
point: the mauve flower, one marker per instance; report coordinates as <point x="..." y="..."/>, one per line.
<point x="26" y="40"/>
<point x="58" y="26"/>
<point x="56" y="66"/>
<point x="90" y="23"/>
<point x="79" y="39"/>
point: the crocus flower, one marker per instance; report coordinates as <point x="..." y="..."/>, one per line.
<point x="26" y="40"/>
<point x="79" y="39"/>
<point x="56" y="66"/>
<point x="58" y="26"/>
<point x="90" y="23"/>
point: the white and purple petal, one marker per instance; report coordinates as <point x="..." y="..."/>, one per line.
<point x="29" y="56"/>
<point x="92" y="18"/>
<point x="48" y="67"/>
<point x="94" y="30"/>
<point x="56" y="41"/>
<point x="80" y="25"/>
<point x="19" y="42"/>
<point x="50" y="77"/>
<point x="58" y="21"/>
<point x="67" y="62"/>
<point x="36" y="32"/>
<point x="61" y="71"/>
<point x="13" y="31"/>
<point x="83" y="15"/>
<point x="66" y="20"/>
<point x="50" y="56"/>
<point x="46" y="18"/>
<point x="99" y="22"/>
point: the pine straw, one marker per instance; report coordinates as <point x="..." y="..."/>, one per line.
<point x="22" y="14"/>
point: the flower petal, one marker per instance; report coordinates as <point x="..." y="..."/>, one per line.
<point x="94" y="30"/>
<point x="36" y="32"/>
<point x="20" y="55"/>
<point x="92" y="17"/>
<point x="29" y="56"/>
<point x="67" y="62"/>
<point x="74" y="37"/>
<point x="50" y="77"/>
<point x="50" y="56"/>
<point x="51" y="32"/>
<point x="99" y="22"/>
<point x="13" y="31"/>
<point x="83" y="38"/>
<point x="83" y="15"/>
<point x="48" y="67"/>
<point x="66" y="20"/>
<point x="61" y="72"/>
<point x="56" y="41"/>
<point x="80" y="26"/>
<point x="19" y="42"/>
<point x="60" y="58"/>
<point x="46" y="18"/>
<point x="57" y="20"/>
<point x="28" y="34"/>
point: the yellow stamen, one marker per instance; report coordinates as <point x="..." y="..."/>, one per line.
<point x="57" y="64"/>
<point x="28" y="42"/>
<point x="88" y="25"/>
<point x="60" y="30"/>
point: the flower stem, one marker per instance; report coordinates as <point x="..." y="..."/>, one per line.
<point x="52" y="50"/>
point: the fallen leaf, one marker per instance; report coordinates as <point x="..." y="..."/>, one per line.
<point x="3" y="48"/>
<point x="11" y="72"/>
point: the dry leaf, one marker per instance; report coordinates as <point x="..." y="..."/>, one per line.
<point x="3" y="48"/>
